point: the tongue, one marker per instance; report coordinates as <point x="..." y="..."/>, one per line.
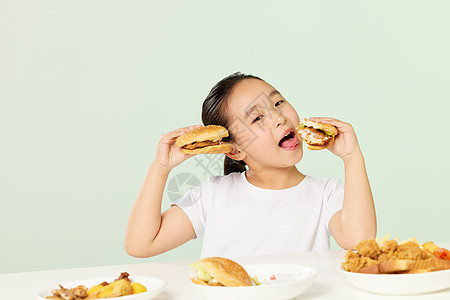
<point x="288" y="142"/>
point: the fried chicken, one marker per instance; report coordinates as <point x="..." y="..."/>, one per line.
<point x="354" y="261"/>
<point x="368" y="253"/>
<point x="411" y="250"/>
<point x="80" y="292"/>
<point x="390" y="248"/>
<point x="368" y="248"/>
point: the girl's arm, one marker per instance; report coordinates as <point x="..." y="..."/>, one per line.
<point x="357" y="219"/>
<point x="148" y="231"/>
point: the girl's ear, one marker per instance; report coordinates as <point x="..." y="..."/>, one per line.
<point x="235" y="154"/>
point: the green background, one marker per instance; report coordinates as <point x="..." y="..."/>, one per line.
<point x="88" y="87"/>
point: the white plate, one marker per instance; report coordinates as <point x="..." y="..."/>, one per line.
<point x="400" y="284"/>
<point x="153" y="285"/>
<point x="304" y="278"/>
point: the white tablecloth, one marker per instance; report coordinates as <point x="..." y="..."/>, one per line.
<point x="329" y="284"/>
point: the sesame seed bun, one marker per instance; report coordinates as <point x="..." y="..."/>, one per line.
<point x="225" y="271"/>
<point x="212" y="134"/>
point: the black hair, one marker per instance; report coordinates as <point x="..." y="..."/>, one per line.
<point x="214" y="113"/>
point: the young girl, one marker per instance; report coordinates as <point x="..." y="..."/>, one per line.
<point x="263" y="204"/>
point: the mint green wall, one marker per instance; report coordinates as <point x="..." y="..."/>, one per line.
<point x="87" y="88"/>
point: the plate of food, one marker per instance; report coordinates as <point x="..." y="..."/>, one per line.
<point x="221" y="278"/>
<point x="125" y="287"/>
<point x="385" y="266"/>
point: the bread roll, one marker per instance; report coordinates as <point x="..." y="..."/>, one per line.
<point x="224" y="272"/>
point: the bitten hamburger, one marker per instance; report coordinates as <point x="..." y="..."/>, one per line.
<point x="219" y="271"/>
<point x="206" y="140"/>
<point x="317" y="135"/>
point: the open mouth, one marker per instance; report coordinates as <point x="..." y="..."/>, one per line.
<point x="289" y="141"/>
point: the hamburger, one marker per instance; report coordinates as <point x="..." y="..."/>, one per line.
<point x="206" y="140"/>
<point x="219" y="271"/>
<point x="317" y="135"/>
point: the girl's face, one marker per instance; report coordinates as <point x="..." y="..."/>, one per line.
<point x="263" y="125"/>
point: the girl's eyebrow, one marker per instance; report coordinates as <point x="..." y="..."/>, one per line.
<point x="249" y="111"/>
<point x="273" y="93"/>
<point x="253" y="107"/>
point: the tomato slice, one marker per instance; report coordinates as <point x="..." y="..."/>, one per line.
<point x="442" y="253"/>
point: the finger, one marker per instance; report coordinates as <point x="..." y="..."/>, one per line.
<point x="188" y="155"/>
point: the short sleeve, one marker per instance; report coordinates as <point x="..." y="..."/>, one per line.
<point x="333" y="199"/>
<point x="193" y="205"/>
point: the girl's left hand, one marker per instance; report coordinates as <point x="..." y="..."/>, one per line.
<point x="345" y="143"/>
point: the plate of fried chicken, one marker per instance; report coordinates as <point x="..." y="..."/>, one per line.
<point x="385" y="266"/>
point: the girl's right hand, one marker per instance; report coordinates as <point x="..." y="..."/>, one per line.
<point x="168" y="155"/>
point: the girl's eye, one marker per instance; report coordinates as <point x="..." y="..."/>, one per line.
<point x="257" y="119"/>
<point x="279" y="103"/>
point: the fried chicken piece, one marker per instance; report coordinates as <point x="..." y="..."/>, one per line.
<point x="411" y="250"/>
<point x="384" y="257"/>
<point x="368" y="248"/>
<point x="389" y="251"/>
<point x="79" y="291"/>
<point x="63" y="293"/>
<point x="390" y="247"/>
<point x="354" y="262"/>
<point x="124" y="275"/>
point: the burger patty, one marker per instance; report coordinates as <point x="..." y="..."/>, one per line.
<point x="314" y="137"/>
<point x="196" y="145"/>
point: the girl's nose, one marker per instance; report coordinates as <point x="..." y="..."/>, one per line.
<point x="279" y="119"/>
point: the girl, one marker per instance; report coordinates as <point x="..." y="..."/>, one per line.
<point x="263" y="204"/>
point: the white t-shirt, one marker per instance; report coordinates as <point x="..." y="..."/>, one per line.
<point x="237" y="218"/>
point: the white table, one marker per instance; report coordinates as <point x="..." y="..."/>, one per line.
<point x="328" y="285"/>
